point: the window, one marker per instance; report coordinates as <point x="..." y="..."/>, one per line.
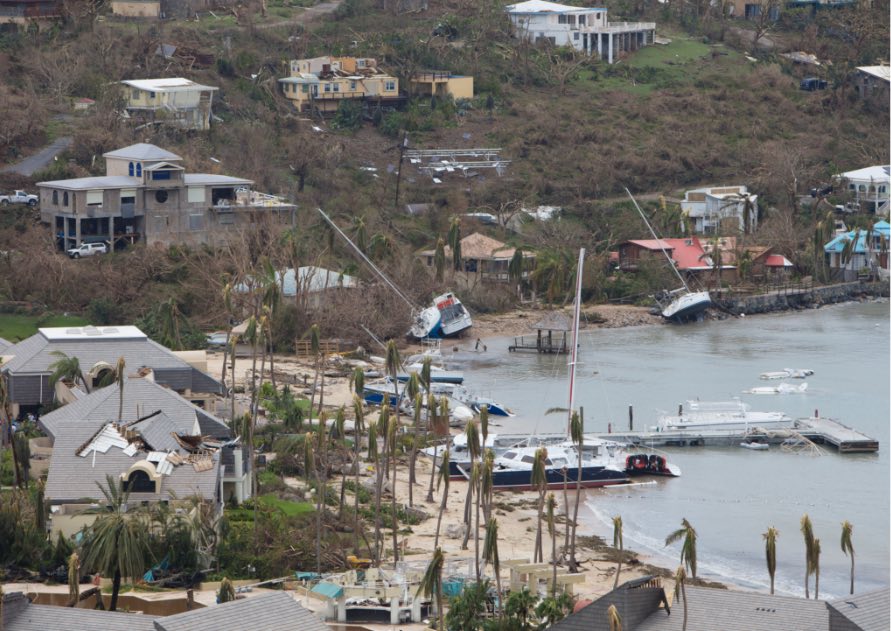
<point x="94" y="198"/>
<point x="883" y="189"/>
<point x="337" y="87"/>
<point x="139" y="169"/>
<point x="327" y="87"/>
<point x="196" y="222"/>
<point x="390" y="86"/>
<point x="561" y="19"/>
<point x="130" y="170"/>
<point x="160" y="196"/>
<point x="65" y="198"/>
<point x="352" y="86"/>
<point x="151" y="95"/>
<point x="582" y="20"/>
<point x="575" y="36"/>
<point x="197" y="195"/>
<point x="305" y="88"/>
<point x="571" y="19"/>
<point x="55" y="198"/>
<point x="135" y="95"/>
<point x="139" y="482"/>
<point x="528" y="459"/>
<point x="161" y="175"/>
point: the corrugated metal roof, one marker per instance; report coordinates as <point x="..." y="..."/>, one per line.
<point x="276" y="611"/>
<point x="870" y="611"/>
<point x="107" y="437"/>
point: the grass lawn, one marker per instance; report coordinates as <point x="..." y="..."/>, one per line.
<point x="288" y="508"/>
<point x="15" y="327"/>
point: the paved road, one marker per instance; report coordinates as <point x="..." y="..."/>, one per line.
<point x="30" y="165"/>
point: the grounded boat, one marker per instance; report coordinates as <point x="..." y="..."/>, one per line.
<point x="731" y="416"/>
<point x="446" y="317"/>
<point x="477" y="402"/>
<point x="783" y="388"/>
<point x="754" y="445"/>
<point x="685" y="305"/>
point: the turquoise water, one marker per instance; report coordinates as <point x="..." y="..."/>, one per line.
<point x="730" y="495"/>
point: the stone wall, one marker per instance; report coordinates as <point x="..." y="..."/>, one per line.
<point x="803" y="298"/>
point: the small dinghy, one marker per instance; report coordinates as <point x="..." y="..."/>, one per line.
<point x="788" y="373"/>
<point x="754" y="445"/>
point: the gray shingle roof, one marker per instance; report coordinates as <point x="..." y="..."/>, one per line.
<point x="869" y="612"/>
<point x="635" y="600"/>
<point x="4" y="344"/>
<point x="20" y="615"/>
<point x="276" y="611"/>
<point x="728" y="610"/>
<point x="72" y="477"/>
<point x="142" y="151"/>
<point x="141" y="397"/>
<point x="34" y="355"/>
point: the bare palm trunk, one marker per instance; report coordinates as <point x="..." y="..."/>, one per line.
<point x="356" y="500"/>
<point x="393" y="500"/>
<point x="539" y="551"/>
<point x="468" y="508"/>
<point x="566" y="511"/>
<point x="442" y="507"/>
<point x="476" y="531"/>
<point x="432" y="472"/>
<point x="115" y="590"/>
<point x="619" y="565"/>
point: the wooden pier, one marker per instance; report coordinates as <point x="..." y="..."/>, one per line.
<point x="551" y="336"/>
<point x="821" y="431"/>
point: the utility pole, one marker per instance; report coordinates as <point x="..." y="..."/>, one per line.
<point x="402" y="148"/>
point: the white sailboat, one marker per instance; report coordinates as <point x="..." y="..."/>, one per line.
<point x="685" y="304"/>
<point x="446" y="317"/>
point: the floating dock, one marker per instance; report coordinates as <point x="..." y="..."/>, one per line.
<point x="821" y="431"/>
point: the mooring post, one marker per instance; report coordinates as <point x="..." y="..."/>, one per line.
<point x="630" y="418"/>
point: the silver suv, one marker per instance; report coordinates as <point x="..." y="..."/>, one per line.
<point x="87" y="249"/>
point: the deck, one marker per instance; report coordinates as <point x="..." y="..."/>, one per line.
<point x="822" y="431"/>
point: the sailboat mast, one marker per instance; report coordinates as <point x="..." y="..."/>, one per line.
<point x="374" y="267"/>
<point x="658" y="240"/>
<point x="573" y="357"/>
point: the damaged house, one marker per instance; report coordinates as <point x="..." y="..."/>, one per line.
<point x="175" y="101"/>
<point x="157" y="459"/>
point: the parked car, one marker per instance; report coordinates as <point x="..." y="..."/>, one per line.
<point x="812" y="83"/>
<point x="87" y="249"/>
<point x="822" y="191"/>
<point x="19" y="197"/>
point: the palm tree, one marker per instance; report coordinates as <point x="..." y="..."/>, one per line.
<point x="439" y="259"/>
<point x="473" y="450"/>
<point x="807" y="531"/>
<point x="310" y="467"/>
<point x="431" y="419"/>
<point x="413" y="391"/>
<point x="612" y="617"/>
<point x="847" y="546"/>
<point x="680" y="576"/>
<point x="455" y="242"/>
<point x="619" y="545"/>
<point x="315" y="349"/>
<point x="119" y="369"/>
<point x="394" y="444"/>
<point x="539" y="482"/>
<point x="227" y="591"/>
<point x="688" y="549"/>
<point x="770" y="552"/>
<point x="816" y="569"/>
<point x="67" y="368"/>
<point x="442" y="480"/>
<point x="431" y="584"/>
<point x="577" y="433"/>
<point x="116" y="543"/>
<point x="73" y="579"/>
<point x="552" y="532"/>
<point x="490" y="555"/>
<point x="516" y="268"/>
<point x="358" y="430"/>
<point x="374" y="458"/>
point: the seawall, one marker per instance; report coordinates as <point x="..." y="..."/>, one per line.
<point x="803" y="298"/>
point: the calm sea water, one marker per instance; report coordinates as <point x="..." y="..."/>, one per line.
<point x="730" y="495"/>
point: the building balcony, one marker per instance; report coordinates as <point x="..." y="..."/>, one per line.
<point x="625" y="27"/>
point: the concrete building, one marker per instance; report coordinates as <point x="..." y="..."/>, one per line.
<point x="871" y="82"/>
<point x="584" y="28"/>
<point x="441" y="83"/>
<point x="175" y="101"/>
<point x="146" y="196"/>
<point x="720" y="209"/>
<point x="322" y="83"/>
<point x="868" y="188"/>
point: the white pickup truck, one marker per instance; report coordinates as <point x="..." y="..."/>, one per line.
<point x="19" y="197"/>
<point x="87" y="249"/>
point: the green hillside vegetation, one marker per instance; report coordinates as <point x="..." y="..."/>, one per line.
<point x="707" y="108"/>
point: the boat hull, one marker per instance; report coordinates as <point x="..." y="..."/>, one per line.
<point x="521" y="479"/>
<point x="687" y="306"/>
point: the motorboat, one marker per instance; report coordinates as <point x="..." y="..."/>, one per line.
<point x="650" y="464"/>
<point x="730" y="416"/>
<point x="477" y="402"/>
<point x="437" y="375"/>
<point x="783" y="388"/>
<point x="788" y="373"/>
<point x="754" y="445"/>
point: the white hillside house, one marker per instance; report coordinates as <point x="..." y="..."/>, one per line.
<point x="708" y="210"/>
<point x="583" y="28"/>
